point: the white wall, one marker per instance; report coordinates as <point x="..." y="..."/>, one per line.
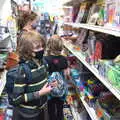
<point x="5" y="10"/>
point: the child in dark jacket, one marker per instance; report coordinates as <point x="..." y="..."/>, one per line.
<point x="29" y="97"/>
<point x="56" y="63"/>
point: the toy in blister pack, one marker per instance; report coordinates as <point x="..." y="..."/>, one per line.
<point x="75" y="76"/>
<point x="82" y="40"/>
<point x="83" y="12"/>
<point x="67" y="112"/>
<point x="112" y="13"/>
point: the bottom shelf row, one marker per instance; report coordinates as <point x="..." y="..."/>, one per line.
<point x="79" y="116"/>
<point x="99" y="102"/>
<point x="94" y="109"/>
<point x="90" y="110"/>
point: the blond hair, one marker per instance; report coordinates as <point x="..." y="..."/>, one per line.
<point x="54" y="45"/>
<point x="25" y="44"/>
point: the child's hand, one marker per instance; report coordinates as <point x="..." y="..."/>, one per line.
<point x="45" y="90"/>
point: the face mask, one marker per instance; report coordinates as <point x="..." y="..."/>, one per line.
<point x="39" y="54"/>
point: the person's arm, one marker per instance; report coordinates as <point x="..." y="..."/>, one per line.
<point x="19" y="95"/>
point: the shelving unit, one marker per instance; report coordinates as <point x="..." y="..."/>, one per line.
<point x="2" y="81"/>
<point x="73" y="112"/>
<point x="3" y="75"/>
<point x="90" y="110"/>
<point x="107" y="30"/>
<point x="80" y="116"/>
<point x="6" y="21"/>
<point x="115" y="91"/>
<point x="5" y="36"/>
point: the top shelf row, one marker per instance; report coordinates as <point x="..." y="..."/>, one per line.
<point x="101" y="29"/>
<point x="97" y="15"/>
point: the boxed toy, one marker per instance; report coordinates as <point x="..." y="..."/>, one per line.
<point x="112" y="13"/>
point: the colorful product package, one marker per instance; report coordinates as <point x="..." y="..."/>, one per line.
<point x="112" y="14"/>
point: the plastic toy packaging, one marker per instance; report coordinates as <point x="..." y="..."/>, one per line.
<point x="76" y="78"/>
<point x="8" y="114"/>
<point x="112" y="13"/>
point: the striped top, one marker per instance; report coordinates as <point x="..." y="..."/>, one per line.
<point x="26" y="94"/>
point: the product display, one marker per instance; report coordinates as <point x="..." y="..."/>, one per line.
<point x="8" y="40"/>
<point x="81" y="41"/>
<point x="99" y="53"/>
<point x="96" y="95"/>
<point x="75" y="12"/>
<point x="112" y="13"/>
<point x="109" y="106"/>
<point x="96" y="13"/>
<point x="3" y="105"/>
<point x="88" y="87"/>
<point x="67" y="112"/>
<point x="83" y="12"/>
<point x="110" y="70"/>
<point x="97" y="46"/>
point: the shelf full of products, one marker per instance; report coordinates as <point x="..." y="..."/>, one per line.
<point x="92" y="35"/>
<point x="73" y="112"/>
<point x="90" y="111"/>
<point x="107" y="30"/>
<point x="89" y="92"/>
<point x="5" y="46"/>
<point x="2" y="81"/>
<point x="79" y="113"/>
<point x="106" y="82"/>
<point x="4" y="36"/>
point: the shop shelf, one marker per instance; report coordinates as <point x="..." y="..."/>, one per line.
<point x="90" y="110"/>
<point x="73" y="112"/>
<point x="4" y="36"/>
<point x="76" y="115"/>
<point x="102" y="29"/>
<point x="2" y="81"/>
<point x="106" y="82"/>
